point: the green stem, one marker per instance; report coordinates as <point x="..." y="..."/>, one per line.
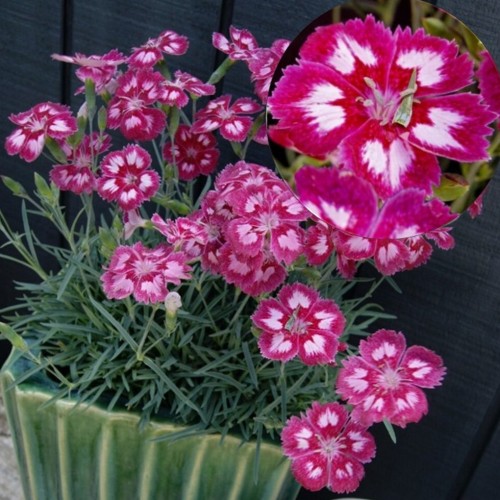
<point x="147" y="329"/>
<point x="221" y="71"/>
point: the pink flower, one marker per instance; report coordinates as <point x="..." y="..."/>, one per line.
<point x="102" y="70"/>
<point x="241" y="47"/>
<point x="148" y="54"/>
<point x="350" y="204"/>
<point x="390" y="255"/>
<point x="253" y="274"/>
<point x="327" y="448"/>
<point x="132" y="220"/>
<point x="489" y="82"/>
<point x="132" y="108"/>
<point x="188" y="234"/>
<point x="35" y="125"/>
<point x="220" y="114"/>
<point x="126" y="177"/>
<point x="77" y="176"/>
<point x="143" y="273"/>
<point x="193" y="154"/>
<point x="262" y="65"/>
<point x="236" y="179"/>
<point x="174" y="92"/>
<point x="386" y="103"/>
<point x="266" y="220"/>
<point x="299" y="322"/>
<point x="384" y="382"/>
<point x="319" y="243"/>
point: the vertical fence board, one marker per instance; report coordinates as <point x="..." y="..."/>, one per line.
<point x="99" y="26"/>
<point x="29" y="33"/>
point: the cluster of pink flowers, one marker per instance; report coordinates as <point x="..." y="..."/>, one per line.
<point x="329" y="443"/>
<point x="381" y="106"/>
<point x="247" y="229"/>
<point x="261" y="62"/>
<point x="389" y="255"/>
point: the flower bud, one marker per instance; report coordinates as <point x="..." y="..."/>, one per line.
<point x="173" y="302"/>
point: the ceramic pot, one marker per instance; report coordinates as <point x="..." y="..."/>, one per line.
<point x="71" y="452"/>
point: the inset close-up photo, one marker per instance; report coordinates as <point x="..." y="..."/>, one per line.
<point x="382" y="117"/>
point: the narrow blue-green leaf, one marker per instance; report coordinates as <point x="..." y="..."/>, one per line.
<point x="27" y="231"/>
<point x="64" y="283"/>
<point x="168" y="382"/>
<point x="390" y="430"/>
<point x="119" y="328"/>
<point x="14" y="338"/>
<point x="251" y="368"/>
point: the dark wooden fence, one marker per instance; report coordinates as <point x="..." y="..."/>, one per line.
<point x="451" y="305"/>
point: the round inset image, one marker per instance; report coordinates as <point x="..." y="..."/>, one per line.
<point x="383" y="120"/>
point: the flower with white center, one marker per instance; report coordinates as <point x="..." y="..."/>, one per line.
<point x="327" y="448"/>
<point x="299" y="322"/>
<point x="193" y="154"/>
<point x="126" y="177"/>
<point x="77" y="175"/>
<point x="174" y="92"/>
<point x="35" y="126"/>
<point x="143" y="272"/>
<point x="240" y="47"/>
<point x="220" y="114"/>
<point x="169" y="42"/>
<point x="133" y="108"/>
<point x="385" y="381"/>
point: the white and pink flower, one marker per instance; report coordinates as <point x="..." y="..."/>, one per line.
<point x="264" y="219"/>
<point x="188" y="234"/>
<point x="144" y="273"/>
<point x="319" y="243"/>
<point x="102" y="70"/>
<point x="44" y="120"/>
<point x="350" y="203"/>
<point x="299" y="323"/>
<point x="230" y="118"/>
<point x="174" y="91"/>
<point x="241" y="46"/>
<point x="263" y="64"/>
<point x="78" y="175"/>
<point x="126" y="177"/>
<point x="169" y="42"/>
<point x="193" y="154"/>
<point x="133" y="109"/>
<point x="327" y="448"/>
<point x="385" y="381"/>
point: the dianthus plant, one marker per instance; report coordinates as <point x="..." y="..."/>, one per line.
<point x="204" y="290"/>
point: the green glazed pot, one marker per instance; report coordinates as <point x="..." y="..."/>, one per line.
<point x="90" y="453"/>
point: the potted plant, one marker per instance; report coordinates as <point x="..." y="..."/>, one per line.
<point x="201" y="313"/>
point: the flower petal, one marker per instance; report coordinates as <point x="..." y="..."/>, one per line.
<point x="454" y="126"/>
<point x="353" y="49"/>
<point x="422" y="367"/>
<point x="439" y="70"/>
<point x="339" y="198"/>
<point x="382" y="157"/>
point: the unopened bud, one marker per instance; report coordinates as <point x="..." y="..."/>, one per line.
<point x="173" y="303"/>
